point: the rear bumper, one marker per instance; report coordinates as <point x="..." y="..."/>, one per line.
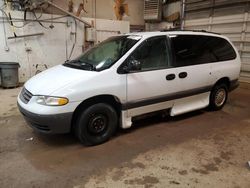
<point x="234" y="84"/>
<point x="49" y="124"/>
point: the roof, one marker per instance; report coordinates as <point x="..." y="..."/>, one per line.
<point x="175" y="32"/>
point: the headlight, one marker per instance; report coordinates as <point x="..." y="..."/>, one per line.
<point x="51" y="101"/>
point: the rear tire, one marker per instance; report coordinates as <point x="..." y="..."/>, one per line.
<point x="96" y="124"/>
<point x="218" y="96"/>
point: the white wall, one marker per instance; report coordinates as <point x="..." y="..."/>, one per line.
<point x="39" y="52"/>
<point x="36" y="53"/>
<point x="106" y="28"/>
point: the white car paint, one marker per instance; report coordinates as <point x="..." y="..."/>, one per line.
<point x="56" y="78"/>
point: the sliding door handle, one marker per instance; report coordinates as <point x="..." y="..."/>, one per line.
<point x="170" y="77"/>
<point x="183" y="75"/>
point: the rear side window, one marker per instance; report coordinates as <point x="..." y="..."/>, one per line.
<point x="195" y="49"/>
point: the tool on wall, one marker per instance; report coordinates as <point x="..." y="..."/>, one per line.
<point x="120" y="9"/>
<point x="81" y="8"/>
<point x="40" y="68"/>
<point x="68" y="13"/>
<point x="70" y="5"/>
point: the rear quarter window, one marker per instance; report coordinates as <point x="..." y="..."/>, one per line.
<point x="199" y="49"/>
<point x="222" y="49"/>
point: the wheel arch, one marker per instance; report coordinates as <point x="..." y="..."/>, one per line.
<point x="108" y="99"/>
<point x="225" y="80"/>
<point x="212" y="105"/>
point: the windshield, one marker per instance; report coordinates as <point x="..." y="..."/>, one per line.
<point x="105" y="54"/>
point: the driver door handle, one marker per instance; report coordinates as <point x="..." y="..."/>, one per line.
<point x="170" y="77"/>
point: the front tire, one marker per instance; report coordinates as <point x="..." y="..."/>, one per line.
<point x="96" y="124"/>
<point x="218" y="96"/>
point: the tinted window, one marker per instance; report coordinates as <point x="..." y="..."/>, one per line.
<point x="195" y="49"/>
<point x="152" y="53"/>
<point x="223" y="50"/>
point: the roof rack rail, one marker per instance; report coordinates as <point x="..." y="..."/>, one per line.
<point x="177" y="29"/>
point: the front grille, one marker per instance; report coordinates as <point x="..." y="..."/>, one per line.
<point x="25" y="95"/>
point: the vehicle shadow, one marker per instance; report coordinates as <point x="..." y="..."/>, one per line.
<point x="158" y="118"/>
<point x="57" y="140"/>
<point x="139" y="124"/>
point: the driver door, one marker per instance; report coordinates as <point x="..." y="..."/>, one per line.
<point x="152" y="87"/>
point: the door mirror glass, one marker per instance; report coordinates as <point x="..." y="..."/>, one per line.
<point x="132" y="66"/>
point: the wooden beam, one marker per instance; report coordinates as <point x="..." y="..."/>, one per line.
<point x="68" y="13"/>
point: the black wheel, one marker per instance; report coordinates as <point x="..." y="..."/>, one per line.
<point x="218" y="96"/>
<point x="96" y="124"/>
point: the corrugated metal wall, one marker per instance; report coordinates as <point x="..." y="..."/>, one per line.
<point x="230" y="18"/>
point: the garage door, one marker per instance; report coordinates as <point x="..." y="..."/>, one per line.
<point x="230" y="18"/>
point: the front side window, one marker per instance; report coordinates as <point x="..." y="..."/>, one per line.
<point x="105" y="54"/>
<point x="152" y="54"/>
<point x="197" y="49"/>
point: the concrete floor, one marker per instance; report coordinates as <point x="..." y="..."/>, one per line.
<point x="199" y="149"/>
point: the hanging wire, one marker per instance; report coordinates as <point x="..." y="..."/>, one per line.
<point x="41" y="20"/>
<point x="73" y="47"/>
<point x="10" y="20"/>
<point x="37" y="19"/>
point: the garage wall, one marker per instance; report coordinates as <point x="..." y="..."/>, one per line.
<point x="38" y="53"/>
<point x="107" y="28"/>
<point x="104" y="9"/>
<point x="230" y="18"/>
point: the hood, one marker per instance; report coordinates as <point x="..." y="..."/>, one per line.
<point x="56" y="78"/>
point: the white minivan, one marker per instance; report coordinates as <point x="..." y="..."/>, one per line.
<point x="130" y="75"/>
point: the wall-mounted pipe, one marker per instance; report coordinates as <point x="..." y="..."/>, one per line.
<point x="28" y="35"/>
<point x="3" y="20"/>
<point x="183" y="4"/>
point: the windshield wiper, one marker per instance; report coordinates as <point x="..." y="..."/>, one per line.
<point x="89" y="64"/>
<point x="83" y="63"/>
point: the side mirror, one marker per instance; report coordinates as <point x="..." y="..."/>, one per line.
<point x="132" y="66"/>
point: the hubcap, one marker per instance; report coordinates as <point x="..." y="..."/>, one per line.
<point x="97" y="124"/>
<point x="220" y="97"/>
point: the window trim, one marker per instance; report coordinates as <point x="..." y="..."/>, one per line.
<point x="169" y="51"/>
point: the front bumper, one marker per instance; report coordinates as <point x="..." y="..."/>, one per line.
<point x="49" y="124"/>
